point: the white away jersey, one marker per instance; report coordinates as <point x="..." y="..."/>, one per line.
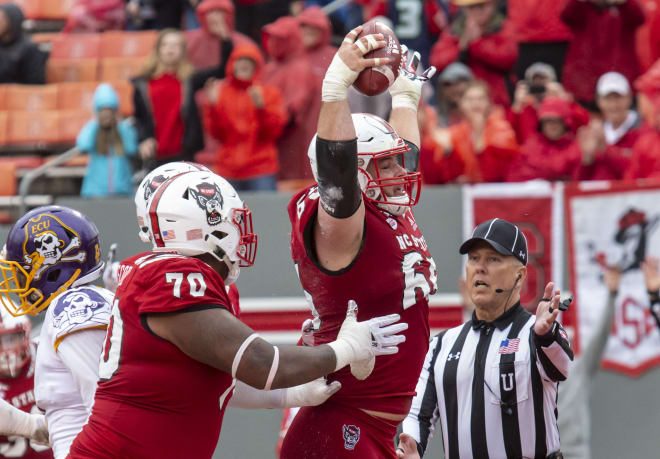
<point x="68" y="361"/>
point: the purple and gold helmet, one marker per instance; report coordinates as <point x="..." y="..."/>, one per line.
<point x="49" y="250"/>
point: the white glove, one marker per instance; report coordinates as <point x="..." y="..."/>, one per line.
<point x="359" y="342"/>
<point x="311" y="394"/>
<point x="110" y="280"/>
<point x="308" y="330"/>
<point x="16" y="422"/>
<point x="407" y="88"/>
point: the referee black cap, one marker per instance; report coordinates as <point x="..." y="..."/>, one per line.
<point x="503" y="236"/>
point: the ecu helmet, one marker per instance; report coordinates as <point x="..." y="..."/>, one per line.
<point x="48" y="250"/>
<point x="376" y="139"/>
<point x="150" y="184"/>
<point x="200" y="212"/>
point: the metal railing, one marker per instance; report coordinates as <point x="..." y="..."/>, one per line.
<point x="26" y="182"/>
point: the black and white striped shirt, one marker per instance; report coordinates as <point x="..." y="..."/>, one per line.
<point x="493" y="386"/>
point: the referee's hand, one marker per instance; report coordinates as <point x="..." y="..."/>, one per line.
<point x="407" y="447"/>
<point x="545" y="318"/>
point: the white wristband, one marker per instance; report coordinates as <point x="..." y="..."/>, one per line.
<point x="343" y="353"/>
<point x="406" y="100"/>
<point x="338" y="78"/>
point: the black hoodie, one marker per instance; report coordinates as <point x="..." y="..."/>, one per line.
<point x="21" y="61"/>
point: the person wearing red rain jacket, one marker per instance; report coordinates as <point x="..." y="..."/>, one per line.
<point x="603" y="41"/>
<point x="316" y="33"/>
<point x="553" y="153"/>
<point x="645" y="161"/>
<point x="478" y="149"/>
<point x="288" y="70"/>
<point x="216" y="19"/>
<point x="482" y="39"/>
<point x="247" y="117"/>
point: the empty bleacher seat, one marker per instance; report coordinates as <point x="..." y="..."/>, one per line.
<point x="76" y="46"/>
<point x="3" y="100"/>
<point x="120" y="68"/>
<point x="125" y="90"/>
<point x="61" y="70"/>
<point x="45" y="9"/>
<point x="127" y="44"/>
<point x="3" y="128"/>
<point x="76" y="95"/>
<point x="30" y="97"/>
<point x="37" y="127"/>
<point x="70" y="124"/>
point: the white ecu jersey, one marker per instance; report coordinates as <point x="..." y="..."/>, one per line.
<point x="70" y="347"/>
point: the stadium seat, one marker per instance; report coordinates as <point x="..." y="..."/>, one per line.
<point x="45" y="9"/>
<point x="23" y="161"/>
<point x="45" y="37"/>
<point x="120" y="68"/>
<point x="3" y="128"/>
<point x="31" y="97"/>
<point x="70" y="124"/>
<point x="60" y="70"/>
<point x="38" y="127"/>
<point x="3" y="99"/>
<point x="127" y="44"/>
<point x="76" y="46"/>
<point x="76" y="96"/>
<point x="7" y="179"/>
<point x="125" y="90"/>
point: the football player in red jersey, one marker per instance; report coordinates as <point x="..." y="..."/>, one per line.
<point x="23" y="431"/>
<point x="174" y="347"/>
<point x="354" y="236"/>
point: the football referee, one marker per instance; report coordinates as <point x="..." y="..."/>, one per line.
<point x="492" y="382"/>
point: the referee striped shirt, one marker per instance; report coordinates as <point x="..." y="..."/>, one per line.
<point x="493" y="387"/>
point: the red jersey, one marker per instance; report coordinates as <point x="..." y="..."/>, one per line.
<point x="393" y="273"/>
<point x="152" y="399"/>
<point x="19" y="391"/>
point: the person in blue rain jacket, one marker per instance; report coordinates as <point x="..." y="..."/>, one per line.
<point x="110" y="142"/>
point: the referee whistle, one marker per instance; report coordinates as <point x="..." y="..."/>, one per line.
<point x="563" y="306"/>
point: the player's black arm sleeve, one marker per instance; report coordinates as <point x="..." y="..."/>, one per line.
<point x="411" y="157"/>
<point x="336" y="163"/>
<point x="654" y="300"/>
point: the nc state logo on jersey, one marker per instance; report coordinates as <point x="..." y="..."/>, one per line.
<point x="209" y="198"/>
<point x="153" y="185"/>
<point x="351" y="436"/>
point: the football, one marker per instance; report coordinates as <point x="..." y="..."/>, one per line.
<point x="374" y="80"/>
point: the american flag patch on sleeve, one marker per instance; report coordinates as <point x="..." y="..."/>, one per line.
<point x="509" y="346"/>
<point x="168" y="235"/>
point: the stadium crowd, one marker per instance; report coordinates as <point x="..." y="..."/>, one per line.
<point x="525" y="90"/>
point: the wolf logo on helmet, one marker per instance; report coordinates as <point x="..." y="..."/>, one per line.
<point x="209" y="198"/>
<point x="153" y="184"/>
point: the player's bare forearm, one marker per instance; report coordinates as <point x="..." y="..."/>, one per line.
<point x="404" y="121"/>
<point x="214" y="336"/>
<point x="335" y="122"/>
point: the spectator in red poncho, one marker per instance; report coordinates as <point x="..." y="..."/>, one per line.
<point x="478" y="149"/>
<point x="540" y="82"/>
<point x="95" y="16"/>
<point x="607" y="145"/>
<point x="647" y="39"/>
<point x="552" y="153"/>
<point x="482" y="39"/>
<point x="316" y="32"/>
<point x="247" y="117"/>
<point x="288" y="70"/>
<point x="542" y="36"/>
<point x="603" y="41"/>
<point x="216" y="19"/>
<point x="645" y="162"/>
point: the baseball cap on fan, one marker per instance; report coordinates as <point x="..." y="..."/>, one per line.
<point x="504" y="237"/>
<point x="612" y="82"/>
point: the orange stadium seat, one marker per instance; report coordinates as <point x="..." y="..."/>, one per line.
<point x="45" y="9"/>
<point x="125" y="90"/>
<point x="40" y="127"/>
<point x="70" y="124"/>
<point x="45" y="37"/>
<point x="7" y="179"/>
<point x="3" y="128"/>
<point x="127" y="44"/>
<point x="60" y="70"/>
<point x="76" y="95"/>
<point x="120" y="68"/>
<point x="3" y="96"/>
<point x="76" y="46"/>
<point x="31" y="97"/>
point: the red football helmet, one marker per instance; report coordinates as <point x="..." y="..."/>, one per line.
<point x="14" y="343"/>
